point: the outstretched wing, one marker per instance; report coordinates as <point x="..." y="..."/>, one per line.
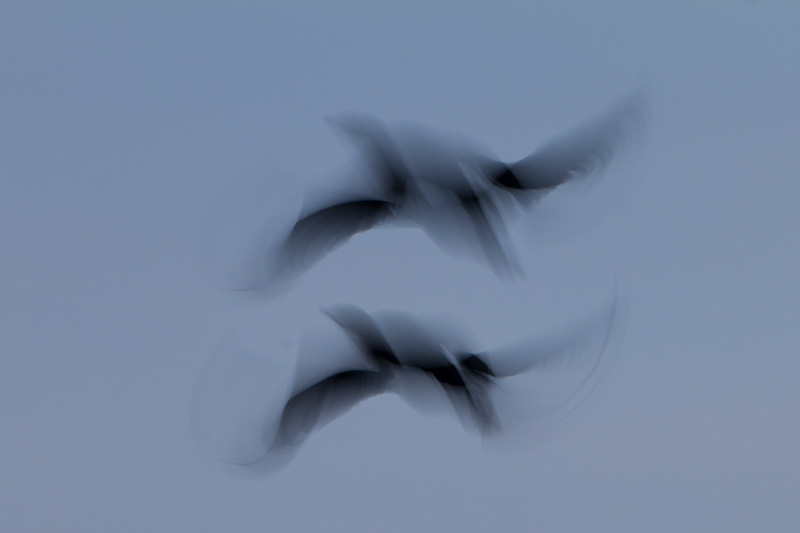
<point x="325" y="401"/>
<point x="320" y="232"/>
<point x="579" y="154"/>
<point x="581" y="342"/>
<point x="564" y="364"/>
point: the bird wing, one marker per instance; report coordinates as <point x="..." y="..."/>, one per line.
<point x="557" y="350"/>
<point x="320" y="232"/>
<point x="389" y="167"/>
<point x="490" y="230"/>
<point x="469" y="397"/>
<point x="364" y="332"/>
<point x="479" y="410"/>
<point x="578" y="154"/>
<point x="445" y="374"/>
<point x="324" y="401"/>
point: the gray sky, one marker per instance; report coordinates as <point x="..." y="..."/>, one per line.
<point x="123" y="126"/>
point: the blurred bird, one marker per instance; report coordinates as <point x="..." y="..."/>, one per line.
<point x="399" y="347"/>
<point x="458" y="196"/>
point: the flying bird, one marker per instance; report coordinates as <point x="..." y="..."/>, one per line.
<point x="398" y="347"/>
<point x="460" y="197"/>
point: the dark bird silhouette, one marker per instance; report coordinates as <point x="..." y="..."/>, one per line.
<point x="398" y="347"/>
<point x="458" y="196"/>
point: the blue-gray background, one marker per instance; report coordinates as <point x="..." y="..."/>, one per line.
<point x="120" y="124"/>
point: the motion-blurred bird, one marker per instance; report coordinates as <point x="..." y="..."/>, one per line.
<point x="458" y="196"/>
<point x="399" y="347"/>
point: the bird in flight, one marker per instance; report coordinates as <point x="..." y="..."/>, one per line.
<point x="398" y="347"/>
<point x="460" y="197"/>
